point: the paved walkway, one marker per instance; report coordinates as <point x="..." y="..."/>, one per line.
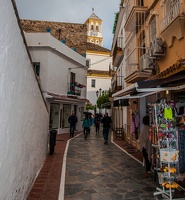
<point x="93" y="171"/>
<point x="96" y="171"/>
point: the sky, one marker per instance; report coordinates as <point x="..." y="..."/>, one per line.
<point x="72" y="11"/>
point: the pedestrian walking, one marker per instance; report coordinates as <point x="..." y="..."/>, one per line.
<point x="92" y="120"/>
<point x="106" y="121"/>
<point x="97" y="124"/>
<point x="72" y="121"/>
<point x="145" y="145"/>
<point x="86" y="126"/>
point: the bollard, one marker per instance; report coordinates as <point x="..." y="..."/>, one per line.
<point x="52" y="141"/>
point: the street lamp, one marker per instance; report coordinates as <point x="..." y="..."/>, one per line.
<point x="98" y="92"/>
<point x="95" y="109"/>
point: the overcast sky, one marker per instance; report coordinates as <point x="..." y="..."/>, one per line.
<point x="73" y="11"/>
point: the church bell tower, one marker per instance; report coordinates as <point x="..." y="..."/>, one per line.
<point x="94" y="29"/>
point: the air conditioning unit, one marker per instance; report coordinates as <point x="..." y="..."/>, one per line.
<point x="157" y="48"/>
<point x="146" y="62"/>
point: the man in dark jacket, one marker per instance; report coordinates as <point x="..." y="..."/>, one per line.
<point x="106" y="121"/>
<point x="72" y="121"/>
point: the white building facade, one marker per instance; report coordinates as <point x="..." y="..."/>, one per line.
<point x="98" y="78"/>
<point x="62" y="74"/>
<point x="23" y="112"/>
<point x="117" y="70"/>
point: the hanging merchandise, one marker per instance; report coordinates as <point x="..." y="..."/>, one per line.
<point x="181" y="147"/>
<point x="164" y="137"/>
<point x="135" y="121"/>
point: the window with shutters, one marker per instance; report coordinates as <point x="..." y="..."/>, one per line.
<point x="93" y="83"/>
<point x="152" y="29"/>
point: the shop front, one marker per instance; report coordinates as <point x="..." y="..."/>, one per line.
<point x="164" y="101"/>
<point x="61" y="108"/>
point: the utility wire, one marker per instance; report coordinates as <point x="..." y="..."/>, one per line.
<point x="100" y="61"/>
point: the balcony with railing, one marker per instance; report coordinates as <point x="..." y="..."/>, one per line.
<point x="172" y="25"/>
<point x="117" y="83"/>
<point x="135" y="13"/>
<point x="75" y="89"/>
<point x="176" y="10"/>
<point x="112" y="70"/>
<point x="118" y="52"/>
<point x="134" y="68"/>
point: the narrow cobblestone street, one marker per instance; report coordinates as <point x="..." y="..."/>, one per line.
<point x="104" y="172"/>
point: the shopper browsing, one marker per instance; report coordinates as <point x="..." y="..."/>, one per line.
<point x="145" y="145"/>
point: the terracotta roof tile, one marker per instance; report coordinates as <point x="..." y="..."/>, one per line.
<point x="95" y="47"/>
<point x="101" y="72"/>
<point x="94" y="16"/>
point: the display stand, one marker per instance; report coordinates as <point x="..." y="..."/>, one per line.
<point x="164" y="144"/>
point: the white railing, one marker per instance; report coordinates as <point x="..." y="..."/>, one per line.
<point x="132" y="60"/>
<point x="74" y="90"/>
<point x="171" y="15"/>
<point x="129" y="4"/>
<point x="120" y="42"/>
<point x="131" y="69"/>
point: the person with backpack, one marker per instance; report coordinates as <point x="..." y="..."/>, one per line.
<point x="72" y="121"/>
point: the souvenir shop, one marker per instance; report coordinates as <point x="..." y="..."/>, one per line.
<point x="163" y="100"/>
<point x="167" y="134"/>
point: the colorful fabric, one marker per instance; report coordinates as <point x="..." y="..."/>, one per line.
<point x="168" y="113"/>
<point x="135" y="121"/>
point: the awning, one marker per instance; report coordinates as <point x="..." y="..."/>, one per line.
<point x="149" y="87"/>
<point x="170" y="81"/>
<point x="64" y="98"/>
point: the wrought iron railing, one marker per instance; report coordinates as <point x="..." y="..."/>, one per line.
<point x="74" y="90"/>
<point x="112" y="70"/>
<point x="118" y="49"/>
<point x="171" y="15"/>
<point x="117" y="83"/>
<point x="130" y="4"/>
<point x="132" y="60"/>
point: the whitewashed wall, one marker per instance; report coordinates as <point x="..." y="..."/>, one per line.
<point x="23" y="114"/>
<point x="57" y="61"/>
<point x="99" y="61"/>
<point x="103" y="83"/>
